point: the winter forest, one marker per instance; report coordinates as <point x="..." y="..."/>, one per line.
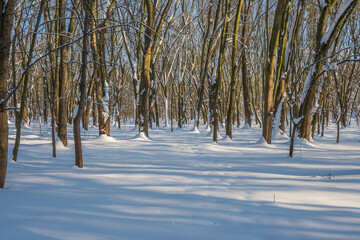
<point x="188" y="119"/>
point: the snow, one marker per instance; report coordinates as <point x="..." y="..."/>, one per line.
<point x="134" y="63"/>
<point x="307" y="83"/>
<point x="76" y="111"/>
<point x="195" y="129"/>
<point x="141" y="137"/>
<point x="166" y="107"/>
<point x="226" y="138"/>
<point x="279" y="134"/>
<point x="288" y="44"/>
<point x="4" y="6"/>
<point x="316" y="105"/>
<point x="262" y="143"/>
<point x="105" y="103"/>
<point x="213" y="79"/>
<point x="297" y="120"/>
<point x="180" y="60"/>
<point x="104" y="138"/>
<point x="59" y="145"/>
<point x="343" y="7"/>
<point x="276" y="123"/>
<point x="181" y="186"/>
<point x="246" y="127"/>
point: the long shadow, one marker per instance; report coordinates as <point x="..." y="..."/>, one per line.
<point x="130" y="213"/>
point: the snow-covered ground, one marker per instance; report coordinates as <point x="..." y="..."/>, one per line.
<point x="180" y="185"/>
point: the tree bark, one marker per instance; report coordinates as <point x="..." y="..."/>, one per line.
<point x="145" y="73"/>
<point x="218" y="82"/>
<point x="321" y="48"/>
<point x="245" y="80"/>
<point x="25" y="84"/>
<point x="6" y="24"/>
<point x="205" y="59"/>
<point x="81" y="104"/>
<point x="269" y="71"/>
<point x="231" y="109"/>
<point x="63" y="76"/>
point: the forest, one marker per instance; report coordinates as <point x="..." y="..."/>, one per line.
<point x="179" y="119"/>
<point x="287" y="65"/>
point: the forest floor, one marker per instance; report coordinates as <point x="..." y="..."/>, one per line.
<point x="180" y="186"/>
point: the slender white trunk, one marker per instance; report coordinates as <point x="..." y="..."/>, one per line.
<point x="276" y="131"/>
<point x="209" y="125"/>
<point x="196" y="114"/>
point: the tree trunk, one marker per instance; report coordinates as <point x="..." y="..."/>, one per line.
<point x="63" y="76"/>
<point x="323" y="44"/>
<point x="145" y="73"/>
<point x="205" y="59"/>
<point x="81" y="106"/>
<point x="269" y="71"/>
<point x="6" y="23"/>
<point x="245" y="80"/>
<point x="231" y="109"/>
<point x="25" y="84"/>
<point x="89" y="103"/>
<point x="217" y="87"/>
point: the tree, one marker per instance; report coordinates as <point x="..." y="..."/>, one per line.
<point x="81" y="104"/>
<point x="216" y="83"/>
<point x="207" y="50"/>
<point x="25" y="80"/>
<point x="269" y="70"/>
<point x="64" y="76"/>
<point x="231" y="108"/>
<point x="324" y="41"/>
<point x="6" y="23"/>
<point x="145" y="72"/>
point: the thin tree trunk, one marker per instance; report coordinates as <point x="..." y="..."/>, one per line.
<point x="245" y="80"/>
<point x="63" y="77"/>
<point x="231" y="109"/>
<point x="81" y="106"/>
<point x="205" y="59"/>
<point x="89" y="103"/>
<point x="145" y="73"/>
<point x="217" y="87"/>
<point x="25" y="84"/>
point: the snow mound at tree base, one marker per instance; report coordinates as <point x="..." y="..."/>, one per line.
<point x="141" y="136"/>
<point x="262" y="142"/>
<point x="105" y="138"/>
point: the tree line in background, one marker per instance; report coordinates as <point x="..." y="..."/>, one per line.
<point x="277" y="63"/>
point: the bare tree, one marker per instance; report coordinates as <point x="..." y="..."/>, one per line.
<point x="81" y="104"/>
<point x="6" y="23"/>
<point x="324" y="41"/>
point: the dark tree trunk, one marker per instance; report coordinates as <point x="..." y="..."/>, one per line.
<point x="145" y="73"/>
<point x="231" y="109"/>
<point x="6" y="23"/>
<point x="81" y="106"/>
<point x="63" y="77"/>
